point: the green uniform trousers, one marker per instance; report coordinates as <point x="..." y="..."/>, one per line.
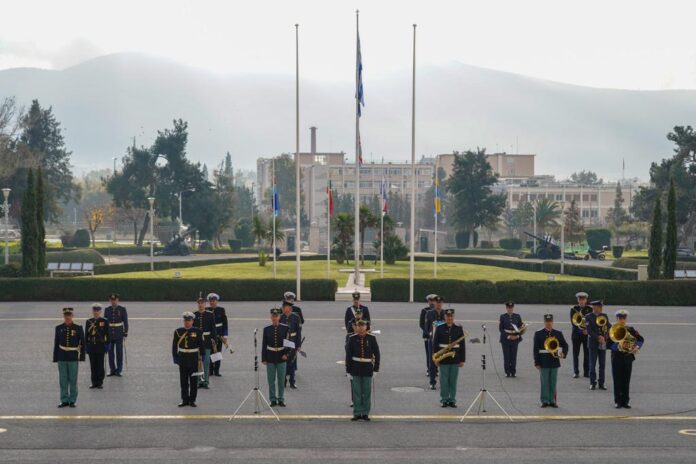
<point x="67" y="375"/>
<point x="549" y="378"/>
<point x="276" y="381"/>
<point x="362" y="395"/>
<point x="449" y="374"/>
<point x="204" y="379"/>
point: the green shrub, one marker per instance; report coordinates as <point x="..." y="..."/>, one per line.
<point x="486" y="244"/>
<point x="659" y="293"/>
<point x="510" y="243"/>
<point x="75" y="256"/>
<point x="124" y="250"/>
<point x="633" y="263"/>
<point x="394" y="249"/>
<point x="81" y="239"/>
<point x="89" y="289"/>
<point x="617" y="251"/>
<point x="480" y="251"/>
<point x="596" y="238"/>
<point x="235" y="245"/>
<point x="10" y="270"/>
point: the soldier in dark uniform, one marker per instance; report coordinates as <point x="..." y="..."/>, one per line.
<point x="187" y="350"/>
<point x="68" y="350"/>
<point x="509" y="326"/>
<point x="434" y="318"/>
<point x="548" y="363"/>
<point x="351" y="310"/>
<point x="424" y="329"/>
<point x="221" y="329"/>
<point x="597" y="339"/>
<point x="292" y="321"/>
<point x="274" y="355"/>
<point x="362" y="362"/>
<point x="622" y="362"/>
<point x="97" y="336"/>
<point x="291" y="297"/>
<point x="204" y="320"/>
<point x="445" y="334"/>
<point x="118" y="331"/>
<point x="579" y="336"/>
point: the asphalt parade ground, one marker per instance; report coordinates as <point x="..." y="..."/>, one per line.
<point x="135" y="418"/>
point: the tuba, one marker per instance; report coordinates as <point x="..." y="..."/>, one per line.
<point x="448" y="351"/>
<point x="578" y="320"/>
<point x="552" y="345"/>
<point x="620" y="335"/>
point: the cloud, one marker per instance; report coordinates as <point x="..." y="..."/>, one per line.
<point x="28" y="53"/>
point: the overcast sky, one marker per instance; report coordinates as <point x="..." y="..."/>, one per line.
<point x="617" y="44"/>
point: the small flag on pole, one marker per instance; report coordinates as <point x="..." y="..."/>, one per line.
<point x="360" y="157"/>
<point x="329" y="194"/>
<point x="276" y="203"/>
<point x="359" y="67"/>
<point x="383" y="193"/>
<point x="438" y="201"/>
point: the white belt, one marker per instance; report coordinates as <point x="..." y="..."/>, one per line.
<point x="188" y="350"/>
<point x="219" y="324"/>
<point x="292" y="334"/>
<point x="206" y="333"/>
<point x="69" y="348"/>
<point x="115" y="324"/>
<point x="445" y="346"/>
<point x="544" y="351"/>
<point x="270" y="348"/>
<point x="362" y="360"/>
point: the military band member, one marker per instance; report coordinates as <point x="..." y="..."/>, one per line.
<point x="97" y="342"/>
<point x="117" y="316"/>
<point x="362" y="362"/>
<point x="351" y="311"/>
<point x="204" y="320"/>
<point x="274" y="355"/>
<point x="444" y="335"/>
<point x="221" y="330"/>
<point x="622" y="362"/>
<point x="547" y="362"/>
<point x="579" y="336"/>
<point x="509" y="326"/>
<point x="434" y="318"/>
<point x="292" y="298"/>
<point x="187" y="350"/>
<point x="68" y="350"/>
<point x="597" y="339"/>
<point x="430" y="299"/>
<point x="292" y="321"/>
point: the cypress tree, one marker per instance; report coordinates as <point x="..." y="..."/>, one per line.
<point x="655" y="252"/>
<point x="40" y="226"/>
<point x="670" y="252"/>
<point x="29" y="232"/>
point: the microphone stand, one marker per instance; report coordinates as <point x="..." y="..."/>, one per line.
<point x="255" y="391"/>
<point x="480" y="397"/>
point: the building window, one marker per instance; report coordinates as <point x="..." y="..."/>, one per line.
<point x="559" y="197"/>
<point x="515" y="197"/>
<point x="585" y="197"/>
<point x="593" y="197"/>
<point x="320" y="159"/>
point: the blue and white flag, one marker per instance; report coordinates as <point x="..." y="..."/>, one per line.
<point x="358" y="69"/>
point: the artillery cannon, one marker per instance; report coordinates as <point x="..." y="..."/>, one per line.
<point x="546" y="248"/>
<point x="177" y="245"/>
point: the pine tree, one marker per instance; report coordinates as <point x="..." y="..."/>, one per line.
<point x="40" y="224"/>
<point x="29" y="229"/>
<point x="670" y="251"/>
<point x="655" y="251"/>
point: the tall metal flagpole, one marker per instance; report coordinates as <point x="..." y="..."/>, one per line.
<point x="383" y="192"/>
<point x="356" y="279"/>
<point x="273" y="214"/>
<point x="298" y="246"/>
<point x="437" y="193"/>
<point x="328" y="227"/>
<point x="413" y="175"/>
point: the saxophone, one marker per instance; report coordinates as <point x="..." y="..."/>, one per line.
<point x="448" y="351"/>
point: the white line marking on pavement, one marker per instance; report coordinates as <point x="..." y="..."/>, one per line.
<point x="691" y="432"/>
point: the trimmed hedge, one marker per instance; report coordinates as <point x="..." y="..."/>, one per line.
<point x="88" y="289"/>
<point x="480" y="251"/>
<point x="126" y="250"/>
<point x="659" y="293"/>
<point x="72" y="256"/>
<point x="510" y="243"/>
<point x="632" y="263"/>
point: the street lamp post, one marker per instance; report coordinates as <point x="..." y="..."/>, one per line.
<point x="152" y="232"/>
<point x="6" y="210"/>
<point x="181" y="217"/>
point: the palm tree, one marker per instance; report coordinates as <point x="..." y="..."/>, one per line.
<point x="367" y="219"/>
<point x="547" y="213"/>
<point x="279" y="234"/>
<point x="343" y="240"/>
<point x="259" y="231"/>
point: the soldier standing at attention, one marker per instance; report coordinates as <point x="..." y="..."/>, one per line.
<point x="187" y="349"/>
<point x="274" y="356"/>
<point x="97" y="335"/>
<point x="118" y="331"/>
<point x="445" y="335"/>
<point x="579" y="335"/>
<point x="548" y="362"/>
<point x="68" y="350"/>
<point x="352" y="309"/>
<point x="434" y="318"/>
<point x="362" y="362"/>
<point x="292" y="321"/>
<point x="622" y="357"/>
<point x="510" y="337"/>
<point x="597" y="337"/>
<point x="221" y="329"/>
<point x="204" y="320"/>
<point x="424" y="330"/>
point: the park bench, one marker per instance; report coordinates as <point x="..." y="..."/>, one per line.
<point x="70" y="268"/>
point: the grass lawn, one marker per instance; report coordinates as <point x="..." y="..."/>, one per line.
<point x="317" y="270"/>
<point x="635" y="254"/>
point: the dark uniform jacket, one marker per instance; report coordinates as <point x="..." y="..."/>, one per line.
<point x="297" y="310"/>
<point x="69" y="343"/>
<point x="362" y="355"/>
<point x="505" y="323"/>
<point x="350" y="316"/>
<point x="593" y="330"/>
<point x="118" y="322"/>
<point x="205" y="322"/>
<point x="221" y="327"/>
<point x="97" y="335"/>
<point x="431" y="317"/>
<point x="272" y="350"/>
<point x="421" y="321"/>
<point x="187" y="346"/>
<point x="542" y="358"/>
<point x="584" y="310"/>
<point x="294" y="328"/>
<point x="615" y="346"/>
<point x="443" y="336"/>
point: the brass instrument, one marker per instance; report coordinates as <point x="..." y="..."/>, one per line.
<point x="448" y="351"/>
<point x="601" y="321"/>
<point x="552" y="345"/>
<point x="620" y="335"/>
<point x="518" y="330"/>
<point x="523" y="328"/>
<point x="578" y="320"/>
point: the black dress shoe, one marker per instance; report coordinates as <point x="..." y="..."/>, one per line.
<point x="110" y="374"/>
<point x="618" y="406"/>
<point x="544" y="405"/>
<point x="366" y="418"/>
<point x="281" y="404"/>
<point x="117" y="374"/>
<point x="217" y="374"/>
<point x="99" y="387"/>
<point x="444" y="405"/>
<point x="183" y="403"/>
<point x="63" y="405"/>
<point x="293" y="386"/>
<point x="626" y="406"/>
<point x="92" y="386"/>
<point x="576" y="375"/>
<point x="193" y="404"/>
<point x="72" y="405"/>
<point x="507" y="374"/>
<point x="432" y="386"/>
<point x="553" y="405"/>
<point x="452" y="404"/>
<point x="356" y="418"/>
<point x="513" y="375"/>
<point x="274" y="403"/>
<point x="593" y="387"/>
<point x="602" y="387"/>
<point x="586" y="375"/>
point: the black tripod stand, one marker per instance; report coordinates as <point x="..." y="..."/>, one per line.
<point x="256" y="391"/>
<point x="480" y="397"/>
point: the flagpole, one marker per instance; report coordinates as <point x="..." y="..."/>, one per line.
<point x="328" y="227"/>
<point x="298" y="245"/>
<point x="381" y="236"/>
<point x="437" y="194"/>
<point x="413" y="175"/>
<point x="356" y="279"/>
<point x="273" y="216"/>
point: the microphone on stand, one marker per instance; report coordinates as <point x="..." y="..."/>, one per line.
<point x="483" y="326"/>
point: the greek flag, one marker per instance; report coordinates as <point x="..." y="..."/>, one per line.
<point x="359" y="67"/>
